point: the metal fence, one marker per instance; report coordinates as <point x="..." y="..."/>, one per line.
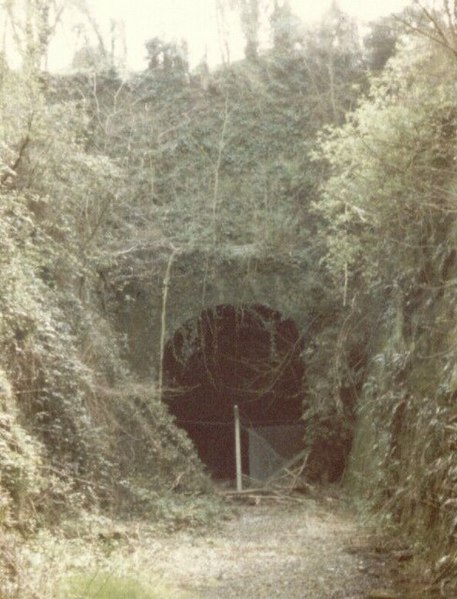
<point x="272" y="447"/>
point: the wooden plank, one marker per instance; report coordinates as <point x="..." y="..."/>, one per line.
<point x="289" y="464"/>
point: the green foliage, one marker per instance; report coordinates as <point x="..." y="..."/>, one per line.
<point x="103" y="585"/>
<point x="59" y="351"/>
<point x="380" y="42"/>
<point x="97" y="175"/>
<point x="20" y="461"/>
<point x="95" y="170"/>
<point x="392" y="185"/>
<point x="222" y="157"/>
<point x="219" y="160"/>
<point x="389" y="213"/>
<point x="153" y="457"/>
<point x="20" y="464"/>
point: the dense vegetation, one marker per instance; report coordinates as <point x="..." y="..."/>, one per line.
<point x="390" y="207"/>
<point x="341" y="149"/>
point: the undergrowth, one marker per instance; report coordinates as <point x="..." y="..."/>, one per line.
<point x="102" y="585"/>
<point x="404" y="461"/>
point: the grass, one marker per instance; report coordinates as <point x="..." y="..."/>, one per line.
<point x="97" y="558"/>
<point x="104" y="585"/>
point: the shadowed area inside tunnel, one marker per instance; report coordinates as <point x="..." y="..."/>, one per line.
<point x="248" y="356"/>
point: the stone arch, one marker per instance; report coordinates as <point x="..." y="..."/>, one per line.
<point x="200" y="279"/>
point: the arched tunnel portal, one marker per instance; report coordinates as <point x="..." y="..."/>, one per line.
<point x="247" y="355"/>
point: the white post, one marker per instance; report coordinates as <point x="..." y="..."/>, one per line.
<point x="237" y="448"/>
<point x="163" y="330"/>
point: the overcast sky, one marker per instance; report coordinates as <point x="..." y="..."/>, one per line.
<point x="194" y="20"/>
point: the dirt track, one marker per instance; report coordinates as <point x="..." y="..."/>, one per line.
<point x="305" y="550"/>
<point x="291" y="547"/>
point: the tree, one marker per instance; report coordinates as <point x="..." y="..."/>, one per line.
<point x="32" y="24"/>
<point x="377" y="202"/>
<point x="250" y="22"/>
<point x="286" y="28"/>
<point x="381" y="42"/>
<point x="435" y="21"/>
<point x="167" y="58"/>
<point x="390" y="219"/>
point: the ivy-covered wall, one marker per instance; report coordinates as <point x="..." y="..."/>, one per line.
<point x="198" y="280"/>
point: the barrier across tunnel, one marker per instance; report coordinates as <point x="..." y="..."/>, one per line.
<point x="246" y="355"/>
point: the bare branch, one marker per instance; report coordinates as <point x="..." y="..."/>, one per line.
<point x="435" y="22"/>
<point x="439" y="36"/>
<point x="426" y="34"/>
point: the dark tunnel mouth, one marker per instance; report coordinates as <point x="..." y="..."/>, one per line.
<point x="246" y="355"/>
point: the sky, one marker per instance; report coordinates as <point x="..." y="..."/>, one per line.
<point x="193" y="20"/>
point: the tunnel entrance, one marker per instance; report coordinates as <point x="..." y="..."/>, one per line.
<point x="244" y="355"/>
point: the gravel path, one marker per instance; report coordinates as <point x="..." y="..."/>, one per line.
<point x="296" y="551"/>
<point x="295" y="548"/>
